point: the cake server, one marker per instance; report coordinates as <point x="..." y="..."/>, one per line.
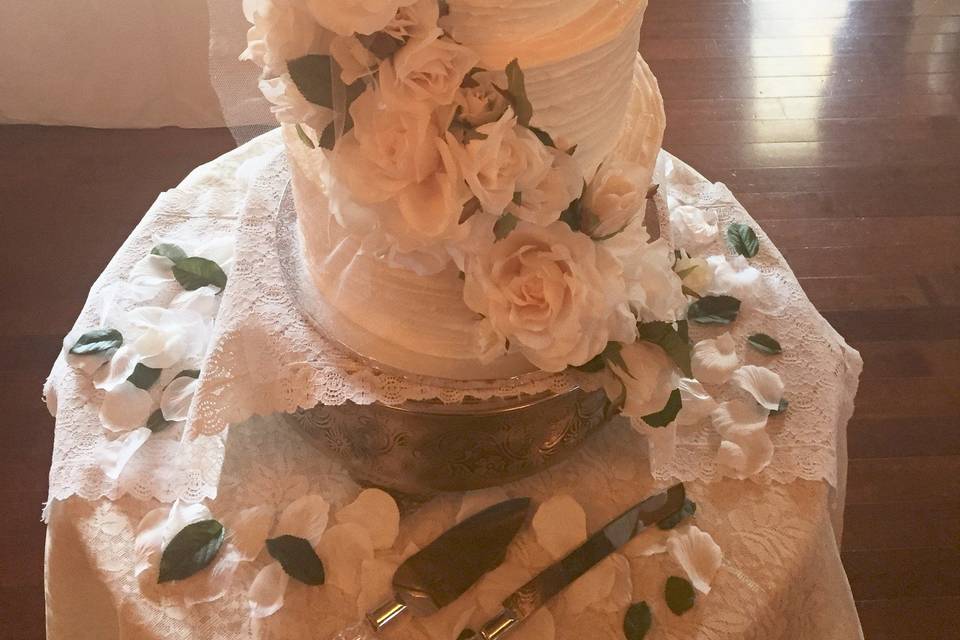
<point x="442" y="571"/>
<point x="552" y="580"/>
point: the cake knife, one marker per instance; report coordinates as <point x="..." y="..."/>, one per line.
<point x="442" y="571"/>
<point x="552" y="580"/>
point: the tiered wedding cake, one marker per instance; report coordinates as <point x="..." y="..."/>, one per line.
<point x="470" y="179"/>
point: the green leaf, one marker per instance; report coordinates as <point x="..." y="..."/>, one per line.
<point x="298" y="559"/>
<point x="573" y="214"/>
<point x="679" y="595"/>
<point x="652" y="191"/>
<point x="543" y="136"/>
<point x="714" y="310"/>
<point x="668" y="414"/>
<point x="191" y="550"/>
<point x="97" y="341"/>
<point x="504" y="225"/>
<point x="156" y="422"/>
<point x="193" y="273"/>
<point x="784" y="404"/>
<point x="743" y="239"/>
<point x="687" y="510"/>
<point x="470" y="209"/>
<point x="380" y="43"/>
<point x="329" y="137"/>
<point x="517" y="93"/>
<point x="313" y="74"/>
<point x="188" y="373"/>
<point x="467" y="634"/>
<point x="171" y="251"/>
<point x="683" y="328"/>
<point x="304" y="138"/>
<point x="763" y="342"/>
<point x="687" y="291"/>
<point x="572" y="150"/>
<point x="517" y="198"/>
<point x="144" y="376"/>
<point x="637" y="621"/>
<point x="612" y="353"/>
<point x="669" y="339"/>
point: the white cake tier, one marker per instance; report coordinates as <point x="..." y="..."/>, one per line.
<point x="577" y="57"/>
<point x="415" y="323"/>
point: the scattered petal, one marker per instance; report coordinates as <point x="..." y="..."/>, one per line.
<point x="203" y="301"/>
<point x="177" y="397"/>
<point x="113" y="456"/>
<point x="697" y="403"/>
<point x="560" y="525"/>
<point x="746" y="448"/>
<point x="343" y="549"/>
<point x="692" y="227"/>
<point x="598" y="587"/>
<point x="764" y="385"/>
<point x="248" y="529"/>
<point x="450" y="621"/>
<point x="125" y="407"/>
<point x="714" y="360"/>
<point x="734" y="277"/>
<point x="220" y="249"/>
<point x="377" y="512"/>
<point x="540" y="625"/>
<point x="211" y="583"/>
<point x="267" y="590"/>
<point x="644" y="546"/>
<point x="497" y="585"/>
<point x="376" y="579"/>
<point x="698" y="554"/>
<point x="306" y="517"/>
<point x="476" y="501"/>
<point x="121" y="366"/>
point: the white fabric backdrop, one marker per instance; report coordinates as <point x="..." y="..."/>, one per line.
<point x="106" y="63"/>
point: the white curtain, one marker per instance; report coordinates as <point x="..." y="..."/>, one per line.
<point x="111" y="63"/>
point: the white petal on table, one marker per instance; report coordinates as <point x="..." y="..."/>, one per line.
<point x="539" y="626"/>
<point x="746" y="448"/>
<point x="714" y="360"/>
<point x="735" y="277"/>
<point x="692" y="227"/>
<point x="376" y="578"/>
<point x="560" y="525"/>
<point x="267" y="590"/>
<point x="125" y="407"/>
<point x="474" y="502"/>
<point x="306" y="517"/>
<point x="220" y="249"/>
<point x="177" y="397"/>
<point x="248" y="530"/>
<point x="203" y="301"/>
<point x="343" y="549"/>
<point x="596" y="588"/>
<point x="497" y="585"/>
<point x="377" y="512"/>
<point x="113" y="456"/>
<point x="763" y="384"/>
<point x="697" y="404"/>
<point x="121" y="366"/>
<point x="698" y="554"/>
<point x="212" y="582"/>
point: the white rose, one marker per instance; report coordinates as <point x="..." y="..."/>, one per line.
<point x="386" y="151"/>
<point x="616" y="194"/>
<point x="649" y="379"/>
<point x="346" y="17"/>
<point x="481" y="103"/>
<point x="653" y="288"/>
<point x="288" y="105"/>
<point x="553" y="293"/>
<point x="507" y="160"/>
<point x="282" y="30"/>
<point x="354" y="59"/>
<point x="425" y="70"/>
<point x="417" y="20"/>
<point x="545" y="202"/>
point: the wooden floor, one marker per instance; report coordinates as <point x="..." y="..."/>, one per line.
<point x="837" y="124"/>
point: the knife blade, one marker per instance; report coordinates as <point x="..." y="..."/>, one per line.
<point x="442" y="571"/>
<point x="552" y="580"/>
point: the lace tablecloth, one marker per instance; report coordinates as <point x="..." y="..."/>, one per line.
<point x="781" y="576"/>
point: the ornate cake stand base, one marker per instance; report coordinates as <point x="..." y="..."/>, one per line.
<point x="422" y="448"/>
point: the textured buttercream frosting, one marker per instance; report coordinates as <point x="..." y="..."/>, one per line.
<point x="420" y="323"/>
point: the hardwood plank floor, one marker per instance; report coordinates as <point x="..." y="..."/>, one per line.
<point x="836" y="123"/>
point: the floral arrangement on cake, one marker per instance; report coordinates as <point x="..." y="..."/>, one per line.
<point x="435" y="160"/>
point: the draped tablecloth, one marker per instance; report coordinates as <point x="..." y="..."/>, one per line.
<point x="781" y="576"/>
